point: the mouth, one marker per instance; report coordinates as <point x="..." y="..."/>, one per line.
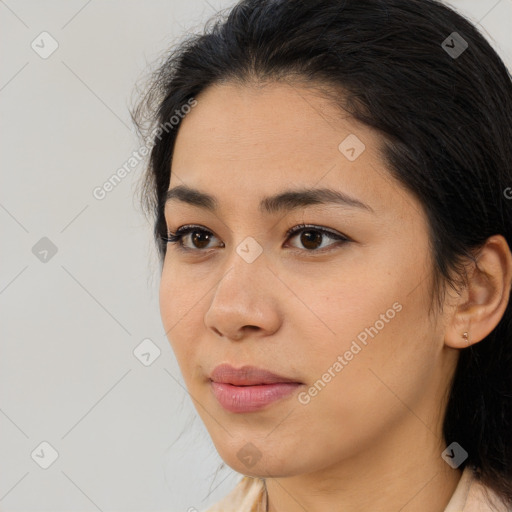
<point x="249" y="389"/>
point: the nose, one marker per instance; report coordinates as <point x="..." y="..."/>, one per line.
<point x="245" y="301"/>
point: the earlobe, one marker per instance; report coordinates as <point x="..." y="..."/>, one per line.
<point x="484" y="300"/>
<point x="459" y="336"/>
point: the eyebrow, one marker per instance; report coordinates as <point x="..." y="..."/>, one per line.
<point x="287" y="200"/>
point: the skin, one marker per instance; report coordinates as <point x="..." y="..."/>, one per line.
<point x="371" y="438"/>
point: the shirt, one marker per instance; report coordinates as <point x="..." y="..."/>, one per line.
<point x="470" y="495"/>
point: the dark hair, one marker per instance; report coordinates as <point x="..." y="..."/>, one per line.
<point x="445" y="120"/>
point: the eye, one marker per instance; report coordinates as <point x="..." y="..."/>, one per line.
<point x="311" y="237"/>
<point x="200" y="237"/>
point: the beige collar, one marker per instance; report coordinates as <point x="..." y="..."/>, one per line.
<point x="469" y="496"/>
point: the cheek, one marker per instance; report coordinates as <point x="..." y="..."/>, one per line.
<point x="179" y="293"/>
<point x="370" y="330"/>
<point x="349" y="305"/>
<point x="179" y="307"/>
<point x="379" y="386"/>
<point x="170" y="296"/>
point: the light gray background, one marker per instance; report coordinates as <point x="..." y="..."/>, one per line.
<point x="69" y="325"/>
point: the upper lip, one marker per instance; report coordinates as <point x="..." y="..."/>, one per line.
<point x="246" y="376"/>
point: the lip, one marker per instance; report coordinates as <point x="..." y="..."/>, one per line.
<point x="246" y="376"/>
<point x="248" y="388"/>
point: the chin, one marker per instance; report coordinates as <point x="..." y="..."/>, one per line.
<point x="258" y="458"/>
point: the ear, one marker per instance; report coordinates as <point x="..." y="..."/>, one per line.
<point x="482" y="303"/>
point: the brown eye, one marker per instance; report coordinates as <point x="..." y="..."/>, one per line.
<point x="199" y="238"/>
<point x="311" y="237"/>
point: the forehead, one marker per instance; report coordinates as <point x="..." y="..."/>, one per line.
<point x="255" y="141"/>
<point x="249" y="122"/>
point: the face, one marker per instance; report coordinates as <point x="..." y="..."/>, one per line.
<point x="337" y="311"/>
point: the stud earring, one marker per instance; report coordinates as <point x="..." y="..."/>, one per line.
<point x="465" y="336"/>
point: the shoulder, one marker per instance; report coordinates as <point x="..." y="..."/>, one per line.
<point x="247" y="496"/>
<point x="471" y="495"/>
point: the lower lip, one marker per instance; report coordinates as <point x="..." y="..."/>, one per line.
<point x="251" y="398"/>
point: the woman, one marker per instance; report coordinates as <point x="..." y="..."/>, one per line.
<point x="331" y="188"/>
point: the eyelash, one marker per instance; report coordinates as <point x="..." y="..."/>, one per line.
<point x="177" y="238"/>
